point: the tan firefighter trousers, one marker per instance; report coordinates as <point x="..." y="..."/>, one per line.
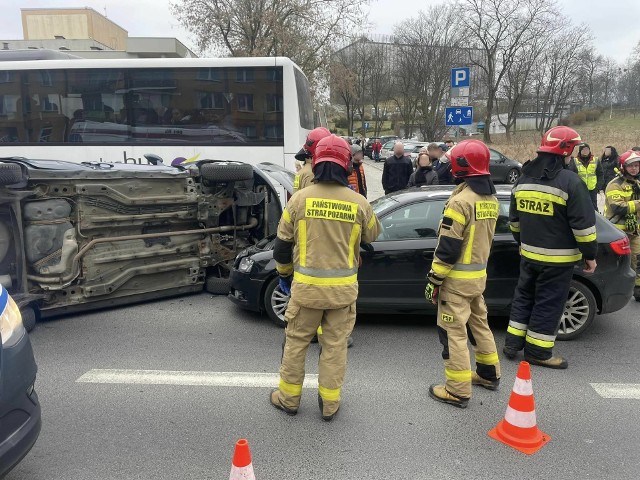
<point x="458" y="315"/>
<point x="302" y="323"/>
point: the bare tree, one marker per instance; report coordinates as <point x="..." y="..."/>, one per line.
<point x="555" y="79"/>
<point x="434" y="41"/>
<point x="589" y="67"/>
<point x="501" y="28"/>
<point x="304" y="30"/>
<point x="516" y="83"/>
<point x="405" y="85"/>
<point x="378" y="85"/>
<point x="342" y="83"/>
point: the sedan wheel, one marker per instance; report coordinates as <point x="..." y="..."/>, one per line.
<point x="579" y="312"/>
<point x="275" y="302"/>
<point x="512" y="176"/>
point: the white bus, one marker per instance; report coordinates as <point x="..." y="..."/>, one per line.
<point x="183" y="110"/>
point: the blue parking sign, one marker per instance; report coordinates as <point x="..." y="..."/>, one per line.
<point x="458" y="116"/>
<point x="366" y="125"/>
<point x="460" y="77"/>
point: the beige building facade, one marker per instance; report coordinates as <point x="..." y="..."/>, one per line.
<point x="72" y="23"/>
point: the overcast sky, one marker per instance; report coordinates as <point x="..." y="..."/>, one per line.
<point x="613" y="23"/>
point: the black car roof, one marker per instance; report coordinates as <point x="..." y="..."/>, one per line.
<point x="437" y="191"/>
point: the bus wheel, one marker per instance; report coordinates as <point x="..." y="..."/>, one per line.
<point x="10" y="173"/>
<point x="226" y="172"/>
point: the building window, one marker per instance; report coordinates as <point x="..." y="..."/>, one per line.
<point x="274" y="103"/>
<point x="274" y="74"/>
<point x="244" y="75"/>
<point x="208" y="74"/>
<point x="273" y="132"/>
<point x="45" y="78"/>
<point x="245" y="102"/>
<point x="249" y="131"/>
<point x="210" y="100"/>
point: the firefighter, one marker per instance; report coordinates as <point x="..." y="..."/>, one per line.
<point x="552" y="219"/>
<point x="458" y="276"/>
<point x="316" y="253"/>
<point x="304" y="176"/>
<point x="622" y="206"/>
<point x="590" y="171"/>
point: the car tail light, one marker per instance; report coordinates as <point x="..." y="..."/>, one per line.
<point x="621" y="247"/>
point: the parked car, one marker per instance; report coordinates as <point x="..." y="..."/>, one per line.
<point x="387" y="148"/>
<point x="80" y="236"/>
<point x="503" y="169"/>
<point x="392" y="275"/>
<point x="384" y="139"/>
<point x="20" y="418"/>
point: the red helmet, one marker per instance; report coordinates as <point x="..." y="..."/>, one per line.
<point x="560" y="140"/>
<point x="469" y="158"/>
<point x="309" y="147"/>
<point x="332" y="149"/>
<point x="627" y="158"/>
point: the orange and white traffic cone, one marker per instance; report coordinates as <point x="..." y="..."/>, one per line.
<point x="519" y="429"/>
<point x="241" y="467"/>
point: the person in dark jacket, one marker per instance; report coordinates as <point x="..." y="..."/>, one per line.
<point x="424" y="174"/>
<point x="397" y="170"/>
<point x="553" y="221"/>
<point x="609" y="162"/>
<point x="441" y="164"/>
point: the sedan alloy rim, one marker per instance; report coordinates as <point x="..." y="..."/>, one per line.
<point x="513" y="176"/>
<point x="279" y="302"/>
<point x="576" y="312"/>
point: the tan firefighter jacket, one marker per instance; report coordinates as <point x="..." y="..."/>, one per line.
<point x="303" y="178"/>
<point x="326" y="223"/>
<point x="464" y="242"/>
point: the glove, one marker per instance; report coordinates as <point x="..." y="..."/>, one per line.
<point x="367" y="247"/>
<point x="285" y="284"/>
<point x="431" y="293"/>
<point x="631" y="222"/>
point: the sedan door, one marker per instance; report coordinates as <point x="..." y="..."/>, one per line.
<point x="393" y="276"/>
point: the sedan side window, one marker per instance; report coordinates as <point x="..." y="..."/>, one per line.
<point x="415" y="221"/>
<point x="502" y="225"/>
<point x="495" y="156"/>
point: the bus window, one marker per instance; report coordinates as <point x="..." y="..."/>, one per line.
<point x="304" y="100"/>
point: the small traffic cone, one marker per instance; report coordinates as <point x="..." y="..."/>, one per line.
<point x="519" y="429"/>
<point x="241" y="467"/>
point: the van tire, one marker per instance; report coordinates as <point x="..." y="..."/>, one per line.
<point x="226" y="172"/>
<point x="10" y="173"/>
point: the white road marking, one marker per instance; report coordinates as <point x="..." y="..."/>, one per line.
<point x="618" y="390"/>
<point x="208" y="379"/>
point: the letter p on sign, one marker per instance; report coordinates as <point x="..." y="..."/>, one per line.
<point x="460" y="77"/>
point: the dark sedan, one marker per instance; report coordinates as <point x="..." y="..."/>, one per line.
<point x="503" y="169"/>
<point x="392" y="276"/>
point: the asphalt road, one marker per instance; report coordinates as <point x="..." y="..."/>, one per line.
<point x="388" y="428"/>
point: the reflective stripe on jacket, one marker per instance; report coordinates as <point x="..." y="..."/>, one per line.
<point x="326" y="222"/>
<point x="464" y="241"/>
<point x="553" y="219"/>
<point x="621" y="201"/>
<point x="588" y="174"/>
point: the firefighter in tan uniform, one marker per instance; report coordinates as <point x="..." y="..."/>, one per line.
<point x="458" y="276"/>
<point x="316" y="253"/>
<point x="622" y="207"/>
<point x="304" y="176"/>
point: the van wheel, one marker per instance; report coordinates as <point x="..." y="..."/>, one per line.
<point x="275" y="302"/>
<point x="10" y="173"/>
<point x="29" y="318"/>
<point x="217" y="285"/>
<point x="226" y="171"/>
<point x="579" y="312"/>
